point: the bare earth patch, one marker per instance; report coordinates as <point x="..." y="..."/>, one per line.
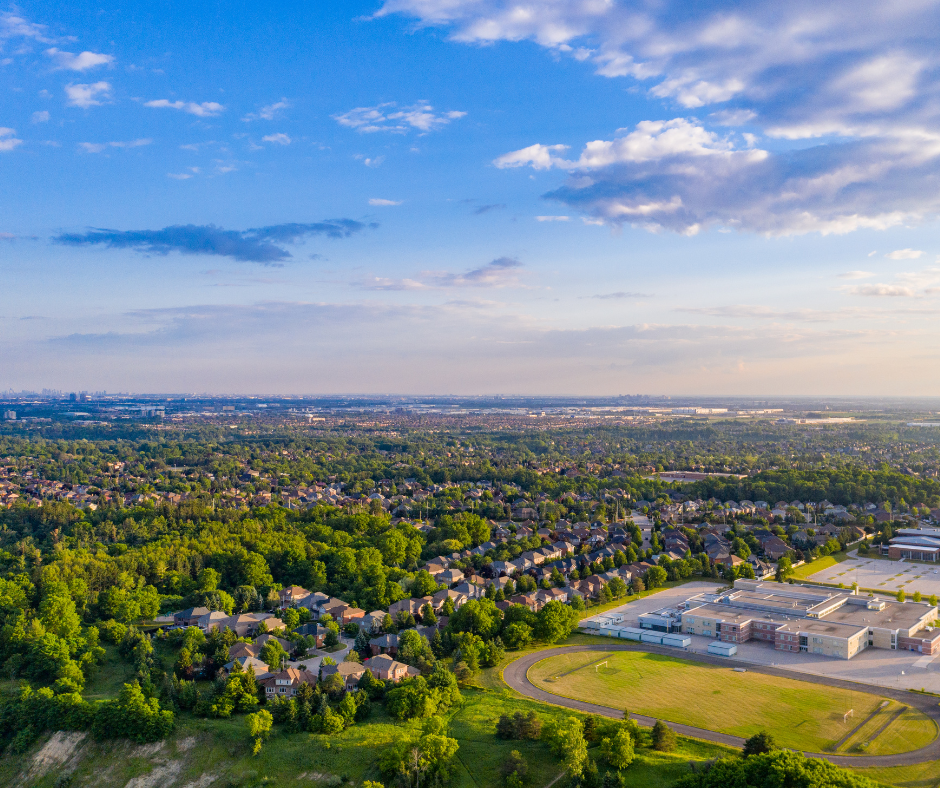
<point x="162" y="775"/>
<point x="184" y="745"/>
<point x="203" y="782"/>
<point x="61" y="752"/>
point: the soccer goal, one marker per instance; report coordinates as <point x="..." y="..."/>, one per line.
<point x="597" y="666"/>
<point x="849" y="713"/>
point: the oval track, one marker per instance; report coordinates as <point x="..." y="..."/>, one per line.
<point x="516" y="676"/>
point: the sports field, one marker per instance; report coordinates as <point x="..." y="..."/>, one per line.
<point x="800" y="715"/>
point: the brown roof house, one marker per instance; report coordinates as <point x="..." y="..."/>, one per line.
<point x="286" y="683"/>
<point x="387" y="669"/>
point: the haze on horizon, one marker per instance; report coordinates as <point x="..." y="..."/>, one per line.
<point x="471" y="196"/>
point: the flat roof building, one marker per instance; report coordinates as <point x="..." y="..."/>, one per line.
<point x="811" y="619"/>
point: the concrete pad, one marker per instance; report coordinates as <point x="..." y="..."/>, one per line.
<point x="882" y="575"/>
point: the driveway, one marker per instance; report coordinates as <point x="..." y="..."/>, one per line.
<point x="516" y="676"/>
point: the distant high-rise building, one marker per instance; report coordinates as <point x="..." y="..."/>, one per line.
<point x="9" y="415"/>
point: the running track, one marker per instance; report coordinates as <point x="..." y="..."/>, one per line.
<point x="516" y="676"/>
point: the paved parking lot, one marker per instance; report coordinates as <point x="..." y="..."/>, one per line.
<point x="878" y="667"/>
<point x="882" y="575"/>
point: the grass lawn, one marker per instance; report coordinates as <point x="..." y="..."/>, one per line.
<point x="593" y="611"/>
<point x="221" y="748"/>
<point x="803" y="572"/>
<point x="109" y="676"/>
<point x="799" y="715"/>
<point x="923" y="775"/>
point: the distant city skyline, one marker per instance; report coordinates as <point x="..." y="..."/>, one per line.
<point x="440" y="197"/>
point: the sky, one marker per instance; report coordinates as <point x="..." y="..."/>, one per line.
<point x="592" y="197"/>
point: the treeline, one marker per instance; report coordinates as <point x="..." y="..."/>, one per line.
<point x="844" y="486"/>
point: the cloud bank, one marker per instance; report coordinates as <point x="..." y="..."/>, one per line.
<point x="857" y="82"/>
<point x="259" y="245"/>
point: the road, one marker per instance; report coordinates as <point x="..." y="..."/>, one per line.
<point x="516" y="676"/>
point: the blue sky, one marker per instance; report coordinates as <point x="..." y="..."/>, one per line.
<point x="470" y="196"/>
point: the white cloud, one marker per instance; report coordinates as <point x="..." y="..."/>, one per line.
<point x="385" y="117"/>
<point x="551" y="218"/>
<point x="12" y="25"/>
<point x="41" y="116"/>
<point x="501" y="272"/>
<point x="904" y="254"/>
<point x="863" y="71"/>
<point x="277" y="139"/>
<point x="85" y="96"/>
<point x="98" y="147"/>
<point x="882" y="290"/>
<point x="206" y="109"/>
<point x="856" y="275"/>
<point x="8" y="139"/>
<point x="83" y="61"/>
<point x="378" y="201"/>
<point x="269" y="112"/>
<point x="651" y="140"/>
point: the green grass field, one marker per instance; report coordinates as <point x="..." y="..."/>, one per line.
<point x="221" y="748"/>
<point x="799" y="715"/>
<point x="806" y="570"/>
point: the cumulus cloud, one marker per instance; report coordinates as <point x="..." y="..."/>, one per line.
<point x="98" y="147"/>
<point x="206" y="109"/>
<point x="8" y="139"/>
<point x="258" y="245"/>
<point x="83" y="61"/>
<point x="552" y="218"/>
<point x="386" y="117"/>
<point x="12" y="25"/>
<point x="501" y="272"/>
<point x="382" y="202"/>
<point x="85" y="96"/>
<point x="42" y="116"/>
<point x="268" y="112"/>
<point x="881" y="290"/>
<point x="904" y="254"/>
<point x="277" y="139"/>
<point x="865" y="75"/>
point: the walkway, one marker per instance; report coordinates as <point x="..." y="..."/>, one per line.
<point x="516" y="676"/>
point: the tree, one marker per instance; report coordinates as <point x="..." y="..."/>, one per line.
<point x="918" y="597"/>
<point x="259" y="727"/>
<point x="566" y="739"/>
<point x="618" y="750"/>
<point x="272" y="654"/>
<point x="515" y="764"/>
<point x="554" y="622"/>
<point x="654" y="577"/>
<point x="784" y="569"/>
<point x="900" y="596"/>
<point x="778" y="768"/>
<point x="933" y="600"/>
<point x="517" y="635"/>
<point x="760" y="743"/>
<point x="664" y="738"/>
<point x="427" y="615"/>
<point x="133" y="716"/>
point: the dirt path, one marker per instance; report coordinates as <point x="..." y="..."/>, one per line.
<point x="516" y="676"/>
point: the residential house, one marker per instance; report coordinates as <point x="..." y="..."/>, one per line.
<point x="316" y="631"/>
<point x="384" y="644"/>
<point x="290" y="596"/>
<point x="449" y="577"/>
<point x="349" y="672"/>
<point x="385" y="668"/>
<point x="286" y="683"/>
<point x="260" y="669"/>
<point x="190" y="616"/>
<point x="211" y="620"/>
